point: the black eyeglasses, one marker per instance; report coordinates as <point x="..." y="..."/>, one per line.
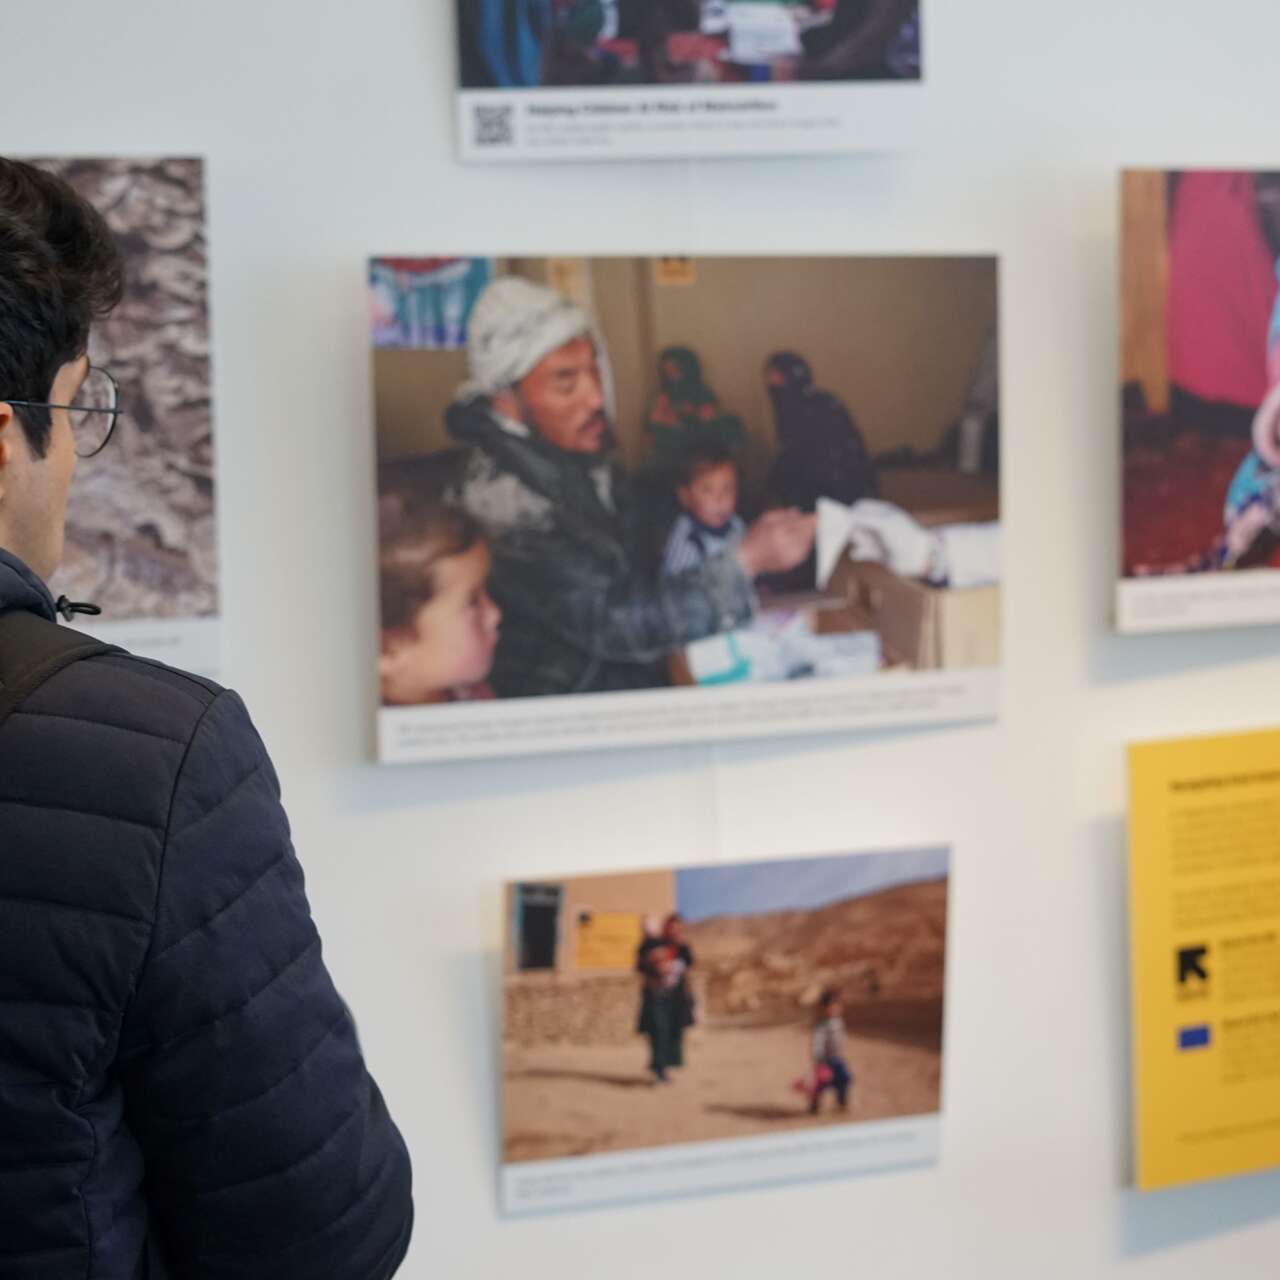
<point x="93" y="416"/>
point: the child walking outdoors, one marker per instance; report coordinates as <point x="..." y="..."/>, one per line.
<point x="830" y="1069"/>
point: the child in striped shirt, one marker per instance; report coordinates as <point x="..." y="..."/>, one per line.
<point x="708" y="523"/>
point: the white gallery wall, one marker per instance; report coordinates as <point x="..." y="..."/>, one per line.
<point x="328" y="133"/>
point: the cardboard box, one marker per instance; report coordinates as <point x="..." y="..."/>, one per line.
<point x="923" y="627"/>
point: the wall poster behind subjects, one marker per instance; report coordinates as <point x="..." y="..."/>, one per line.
<point x="623" y="79"/>
<point x="672" y="1031"/>
<point x="1200" y="375"/>
<point x="628" y="500"/>
<point x="141" y="528"/>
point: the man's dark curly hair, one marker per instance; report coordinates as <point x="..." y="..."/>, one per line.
<point x="60" y="270"/>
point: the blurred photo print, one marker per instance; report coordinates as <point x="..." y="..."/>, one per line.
<point x="628" y="500"/>
<point x="1200" y="398"/>
<point x="142" y="527"/>
<point x="615" y="79"/>
<point x="674" y="1031"/>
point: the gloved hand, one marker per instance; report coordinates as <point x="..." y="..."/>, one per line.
<point x="884" y="533"/>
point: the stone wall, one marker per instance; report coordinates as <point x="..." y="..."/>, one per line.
<point x="580" y="1010"/>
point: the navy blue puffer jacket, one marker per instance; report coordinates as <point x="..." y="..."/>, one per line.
<point x="181" y="1090"/>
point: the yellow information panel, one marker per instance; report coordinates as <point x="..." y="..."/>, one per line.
<point x="1204" y="904"/>
<point x="608" y="940"/>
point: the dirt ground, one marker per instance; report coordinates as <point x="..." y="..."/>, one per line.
<point x="572" y="1101"/>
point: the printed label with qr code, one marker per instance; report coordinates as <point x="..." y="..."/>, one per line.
<point x="495" y="126"/>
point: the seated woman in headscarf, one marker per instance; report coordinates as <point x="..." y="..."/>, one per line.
<point x="821" y="451"/>
<point x="686" y="413"/>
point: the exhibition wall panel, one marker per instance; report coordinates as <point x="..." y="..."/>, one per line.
<point x="328" y="135"/>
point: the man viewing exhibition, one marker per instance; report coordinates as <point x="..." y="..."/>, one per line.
<point x="181" y="1088"/>
<point x="580" y="611"/>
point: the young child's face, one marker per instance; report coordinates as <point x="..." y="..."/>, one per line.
<point x="454" y="634"/>
<point x="711" y="496"/>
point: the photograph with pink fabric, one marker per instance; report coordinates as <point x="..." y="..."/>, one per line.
<point x="1200" y="394"/>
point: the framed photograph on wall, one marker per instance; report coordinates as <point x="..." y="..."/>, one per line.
<point x="625" y="79"/>
<point x="682" y="1030"/>
<point x="142" y="525"/>
<point x="1200" y="399"/>
<point x="633" y="500"/>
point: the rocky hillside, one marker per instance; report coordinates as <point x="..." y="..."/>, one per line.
<point x="141" y="540"/>
<point x="884" y="952"/>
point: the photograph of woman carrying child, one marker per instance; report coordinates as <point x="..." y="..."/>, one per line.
<point x="603" y="469"/>
<point x="530" y="43"/>
<point x="657" y="1008"/>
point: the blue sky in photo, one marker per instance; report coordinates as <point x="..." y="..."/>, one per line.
<point x="800" y="884"/>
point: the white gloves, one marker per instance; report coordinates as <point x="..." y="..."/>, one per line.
<point x="958" y="555"/>
<point x="886" y="534"/>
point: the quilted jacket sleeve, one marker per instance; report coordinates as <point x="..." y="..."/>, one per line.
<point x="268" y="1150"/>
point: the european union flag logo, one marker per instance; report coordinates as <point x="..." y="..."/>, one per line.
<point x="1193" y="1037"/>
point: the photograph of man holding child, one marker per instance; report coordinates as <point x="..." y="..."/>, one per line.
<point x="610" y="462"/>
<point x="542" y="475"/>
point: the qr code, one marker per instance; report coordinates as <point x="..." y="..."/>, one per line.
<point x="495" y="126"/>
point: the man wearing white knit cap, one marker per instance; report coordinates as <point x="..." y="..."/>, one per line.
<point x="580" y="612"/>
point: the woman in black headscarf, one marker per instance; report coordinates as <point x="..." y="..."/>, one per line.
<point x="821" y="451"/>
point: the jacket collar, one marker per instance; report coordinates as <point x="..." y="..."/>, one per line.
<point x="568" y="480"/>
<point x="20" y="588"/>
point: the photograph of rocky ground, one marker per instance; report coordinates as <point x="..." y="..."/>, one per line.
<point x="575" y="1078"/>
<point x="141" y="537"/>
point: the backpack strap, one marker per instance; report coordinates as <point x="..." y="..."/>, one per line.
<point x="33" y="649"/>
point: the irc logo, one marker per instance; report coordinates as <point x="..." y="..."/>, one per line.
<point x="1192" y="972"/>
